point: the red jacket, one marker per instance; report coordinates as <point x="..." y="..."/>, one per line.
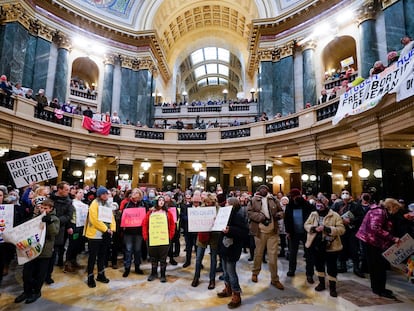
<point x="145" y="225"/>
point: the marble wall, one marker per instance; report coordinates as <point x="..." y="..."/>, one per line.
<point x="145" y="108"/>
<point x="394" y="25"/>
<point x="369" y="46"/>
<point x="61" y="75"/>
<point x="309" y="81"/>
<point x="29" y="62"/>
<point x="409" y="18"/>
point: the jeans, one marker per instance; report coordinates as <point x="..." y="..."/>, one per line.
<point x="213" y="262"/>
<point x="133" y="243"/>
<point x="230" y="274"/>
<point x="295" y="239"/>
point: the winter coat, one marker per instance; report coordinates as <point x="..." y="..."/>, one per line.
<point x="52" y="230"/>
<point x="256" y="217"/>
<point x="235" y="238"/>
<point x="95" y="228"/>
<point x="302" y="204"/>
<point x="334" y="222"/>
<point x="376" y="228"/>
<point x="64" y="211"/>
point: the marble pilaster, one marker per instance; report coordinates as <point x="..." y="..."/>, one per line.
<point x="29" y="62"/>
<point x="368" y="38"/>
<point x="128" y="100"/>
<point x="409" y="18"/>
<point x="285" y="99"/>
<point x="144" y="104"/>
<point x="394" y="18"/>
<point x="41" y="64"/>
<point x="108" y="85"/>
<point x="266" y="87"/>
<point x="319" y="179"/>
<point x="309" y="81"/>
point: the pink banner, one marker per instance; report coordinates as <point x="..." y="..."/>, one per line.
<point x="96" y="126"/>
<point x="133" y="217"/>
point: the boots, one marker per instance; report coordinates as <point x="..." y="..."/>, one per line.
<point x="332" y="289"/>
<point x="187" y="259"/>
<point x="126" y="272"/>
<point x="357" y="270"/>
<point x="235" y="300"/>
<point x="91" y="281"/>
<point x="102" y="278"/>
<point x="321" y="286"/>
<point x="68" y="268"/>
<point x="195" y="282"/>
<point x="163" y="269"/>
<point x="226" y="292"/>
<point x="154" y="274"/>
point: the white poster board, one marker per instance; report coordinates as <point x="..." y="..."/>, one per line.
<point x="34" y="168"/>
<point x="397" y="253"/>
<point x="201" y="219"/>
<point x="6" y="218"/>
<point x="29" y="239"/>
<point x="222" y="218"/>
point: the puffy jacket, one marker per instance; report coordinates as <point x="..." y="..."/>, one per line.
<point x="94" y="228"/>
<point x="333" y="221"/>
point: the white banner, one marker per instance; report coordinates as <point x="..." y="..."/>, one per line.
<point x="29" y="239"/>
<point x="397" y="253"/>
<point x="201" y="219"/>
<point x="222" y="218"/>
<point x="405" y="88"/>
<point x="6" y="219"/>
<point x="35" y="168"/>
<point x="369" y="93"/>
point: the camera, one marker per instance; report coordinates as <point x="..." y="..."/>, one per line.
<point x="266" y="222"/>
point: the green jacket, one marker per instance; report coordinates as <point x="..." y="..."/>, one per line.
<point x="52" y="230"/>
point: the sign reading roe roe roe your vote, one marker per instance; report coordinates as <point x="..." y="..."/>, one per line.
<point x="34" y="168"/>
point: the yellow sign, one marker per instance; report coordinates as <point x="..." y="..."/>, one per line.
<point x="158" y="229"/>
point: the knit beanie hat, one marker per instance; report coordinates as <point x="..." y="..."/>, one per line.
<point x="101" y="190"/>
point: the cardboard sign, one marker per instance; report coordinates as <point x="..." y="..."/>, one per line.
<point x="29" y="239"/>
<point x="158" y="229"/>
<point x="201" y="219"/>
<point x="133" y="217"/>
<point x="397" y="253"/>
<point x="6" y="219"/>
<point x="35" y="168"/>
<point x="222" y="218"/>
<point x="81" y="210"/>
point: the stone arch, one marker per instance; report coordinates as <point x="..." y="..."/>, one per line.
<point x="86" y="70"/>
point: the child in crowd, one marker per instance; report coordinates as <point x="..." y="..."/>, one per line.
<point x="35" y="271"/>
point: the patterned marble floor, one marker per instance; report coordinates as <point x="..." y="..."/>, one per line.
<point x="70" y="292"/>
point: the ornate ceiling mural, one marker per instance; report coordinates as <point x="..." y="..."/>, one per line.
<point x="117" y="7"/>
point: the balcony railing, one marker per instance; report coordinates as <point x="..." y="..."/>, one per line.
<point x="282" y="125"/>
<point x="244" y="132"/>
<point x="239" y="108"/>
<point x="115" y="130"/>
<point x="49" y="115"/>
<point x="83" y="93"/>
<point x="6" y="101"/>
<point x="192" y="136"/>
<point x="171" y="110"/>
<point x="327" y="111"/>
<point x="204" y="109"/>
<point x="148" y="134"/>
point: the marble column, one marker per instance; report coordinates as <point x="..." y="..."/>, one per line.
<point x="266" y="87"/>
<point x="368" y="38"/>
<point x="41" y="64"/>
<point x="258" y="176"/>
<point x="126" y="105"/>
<point x="315" y="177"/>
<point x="394" y="19"/>
<point x="169" y="181"/>
<point x="409" y="18"/>
<point x="12" y="57"/>
<point x="214" y="178"/>
<point x="61" y="74"/>
<point x="108" y="84"/>
<point x="391" y="174"/>
<point x="309" y="80"/>
<point x="284" y="99"/>
<point x="29" y="62"/>
<point x="144" y="106"/>
<point x="71" y="171"/>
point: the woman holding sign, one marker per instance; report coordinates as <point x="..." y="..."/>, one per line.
<point x="158" y="228"/>
<point x="375" y="232"/>
<point x="230" y="246"/>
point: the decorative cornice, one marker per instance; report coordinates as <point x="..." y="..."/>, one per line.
<point x="388" y="3"/>
<point x="367" y="11"/>
<point x="275" y="54"/>
<point x="311" y="44"/>
<point x="110" y="59"/>
<point x="287" y="49"/>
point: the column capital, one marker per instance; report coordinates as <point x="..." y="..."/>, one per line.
<point x="287" y="49"/>
<point x="61" y="40"/>
<point x="126" y="62"/>
<point x="367" y="11"/>
<point x="308" y="45"/>
<point x="269" y="54"/>
<point x="109" y="59"/>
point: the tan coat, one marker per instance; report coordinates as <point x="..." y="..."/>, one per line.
<point x="256" y="217"/>
<point x="331" y="220"/>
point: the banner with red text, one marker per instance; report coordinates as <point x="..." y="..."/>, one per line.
<point x="29" y="239"/>
<point x="96" y="126"/>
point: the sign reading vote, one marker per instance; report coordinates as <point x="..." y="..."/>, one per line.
<point x="133" y="217"/>
<point x="35" y="168"/>
<point x="201" y="219"/>
<point x="397" y="253"/>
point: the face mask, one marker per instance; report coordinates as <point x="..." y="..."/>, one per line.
<point x="345" y="196"/>
<point x="11" y="198"/>
<point x="319" y="207"/>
